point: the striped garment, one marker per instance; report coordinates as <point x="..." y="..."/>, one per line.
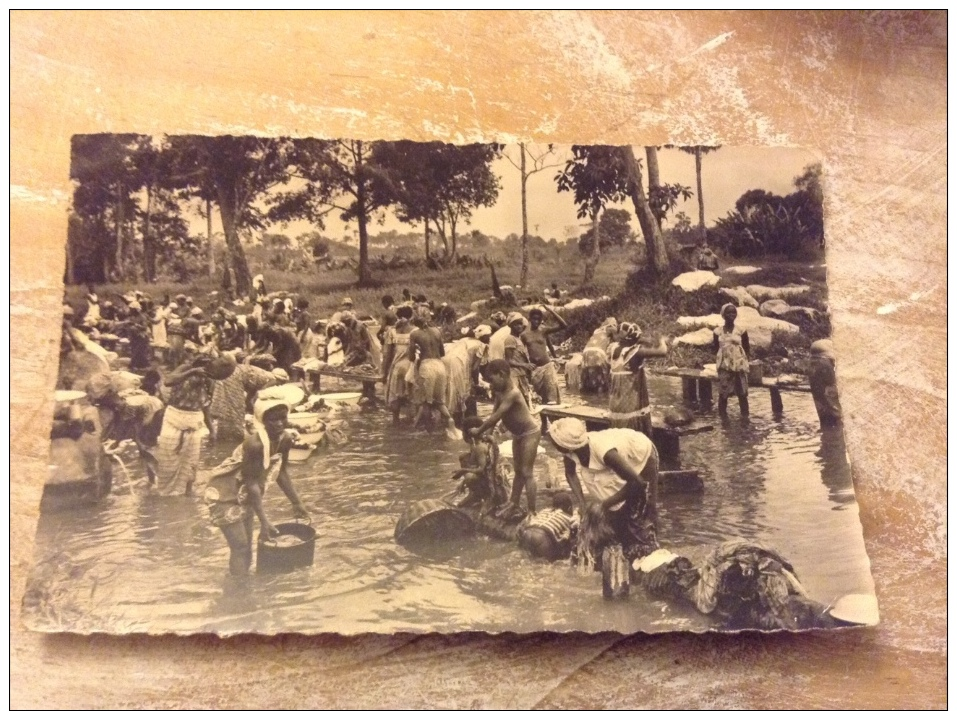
<point x="177" y="450"/>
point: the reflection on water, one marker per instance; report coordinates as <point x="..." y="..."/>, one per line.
<point x="139" y="563"/>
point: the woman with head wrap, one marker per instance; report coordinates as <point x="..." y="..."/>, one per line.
<point x="500" y="331"/>
<point x="734" y="353"/>
<point x="396" y="363"/>
<point x="629" y="401"/>
<point x="235" y="491"/>
<point x="613" y="475"/>
<point x="187" y="414"/>
<point x="516" y="353"/>
<point x="595" y="370"/>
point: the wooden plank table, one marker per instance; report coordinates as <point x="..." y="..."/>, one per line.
<point x="696" y="385"/>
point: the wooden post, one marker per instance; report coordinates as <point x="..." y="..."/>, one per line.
<point x="667" y="442"/>
<point x="704" y="391"/>
<point x="689" y="389"/>
<point x="777" y="406"/>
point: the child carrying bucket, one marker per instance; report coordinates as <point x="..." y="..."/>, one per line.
<point x="235" y="491"/>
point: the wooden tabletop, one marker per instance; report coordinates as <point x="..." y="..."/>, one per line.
<point x="865" y="91"/>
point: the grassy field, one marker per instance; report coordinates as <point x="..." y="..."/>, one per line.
<point x="652" y="303"/>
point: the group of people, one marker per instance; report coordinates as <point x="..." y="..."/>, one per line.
<point x="204" y="374"/>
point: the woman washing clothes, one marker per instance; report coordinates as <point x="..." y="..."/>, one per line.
<point x="396" y="362"/>
<point x="630" y="404"/>
<point x="613" y="475"/>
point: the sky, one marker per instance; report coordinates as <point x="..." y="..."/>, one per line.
<point x="726" y="174"/>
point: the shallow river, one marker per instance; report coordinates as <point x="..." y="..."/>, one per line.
<point x="139" y="563"/>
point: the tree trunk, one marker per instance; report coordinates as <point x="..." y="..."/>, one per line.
<point x="454" y="237"/>
<point x="227" y="210"/>
<point x="591" y="261"/>
<point x="697" y="170"/>
<point x="440" y="228"/>
<point x="428" y="252"/>
<point x="654" y="177"/>
<point x="523" y="281"/>
<point x="149" y="247"/>
<point x="365" y="276"/>
<point x="654" y="242"/>
<point x="210" y="252"/>
<point x="119" y="218"/>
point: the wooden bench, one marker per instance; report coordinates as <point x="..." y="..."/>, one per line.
<point x="696" y="386"/>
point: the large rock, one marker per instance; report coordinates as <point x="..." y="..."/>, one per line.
<point x="812" y="314"/>
<point x="759" y="327"/>
<point x="763" y="293"/>
<point x="701" y="337"/>
<point x="740" y="296"/>
<point x="742" y="269"/>
<point x="692" y="281"/>
<point x="774" y="307"/>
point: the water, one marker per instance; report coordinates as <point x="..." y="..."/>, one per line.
<point x="137" y="563"/>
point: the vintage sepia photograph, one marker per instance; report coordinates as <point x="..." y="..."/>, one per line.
<point x="313" y="385"/>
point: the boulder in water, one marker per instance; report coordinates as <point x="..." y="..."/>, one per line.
<point x="763" y="293"/>
<point x="774" y="307"/>
<point x="692" y="281"/>
<point x="740" y="296"/>
<point x="742" y="269"/>
<point x="701" y="337"/>
<point x="759" y="327"/>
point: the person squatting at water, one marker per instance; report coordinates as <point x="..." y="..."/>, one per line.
<point x="544" y="378"/>
<point x="596" y="465"/>
<point x="235" y="490"/>
<point x="428" y="373"/>
<point x="512" y="411"/>
<point x="734" y="352"/>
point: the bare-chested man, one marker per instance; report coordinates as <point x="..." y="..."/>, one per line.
<point x="426" y="351"/>
<point x="544" y="378"/>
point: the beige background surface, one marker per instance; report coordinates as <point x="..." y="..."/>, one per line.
<point x="866" y="91"/>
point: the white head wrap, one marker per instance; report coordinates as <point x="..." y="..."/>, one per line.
<point x="568" y="433"/>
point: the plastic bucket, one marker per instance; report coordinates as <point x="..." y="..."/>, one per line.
<point x="280" y="557"/>
<point x="755" y="373"/>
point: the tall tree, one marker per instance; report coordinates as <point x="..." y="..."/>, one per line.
<point x="615" y="231"/>
<point x="531" y="161"/>
<point x="658" y="261"/>
<point x="102" y="168"/>
<point x="698" y="152"/>
<point x="436" y="183"/>
<point x="595" y="175"/>
<point x="662" y="197"/>
<point x="342" y="176"/>
<point x="241" y="171"/>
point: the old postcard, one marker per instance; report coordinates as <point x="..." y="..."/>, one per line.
<point x="313" y="385"/>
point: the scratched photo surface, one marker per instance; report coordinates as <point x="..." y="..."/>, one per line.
<point x="271" y="349"/>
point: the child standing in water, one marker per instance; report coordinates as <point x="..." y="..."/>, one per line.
<point x="512" y="410"/>
<point x="734" y="352"/>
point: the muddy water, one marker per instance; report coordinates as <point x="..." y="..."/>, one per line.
<point x="139" y="563"/>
